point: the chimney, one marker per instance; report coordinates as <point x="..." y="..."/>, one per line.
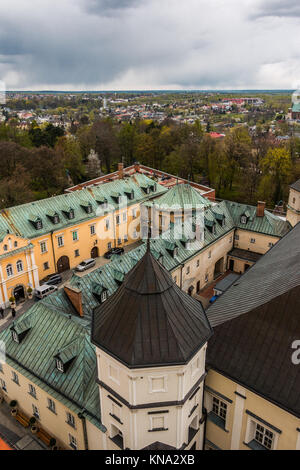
<point x="136" y="167"/>
<point x="260" y="210"/>
<point x="75" y="297"/>
<point x="121" y="170"/>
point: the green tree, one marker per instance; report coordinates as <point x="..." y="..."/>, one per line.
<point x="276" y="173"/>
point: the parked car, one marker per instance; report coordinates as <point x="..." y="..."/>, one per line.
<point x="54" y="280"/>
<point x="113" y="251"/>
<point x="44" y="291"/>
<point x="85" y="264"/>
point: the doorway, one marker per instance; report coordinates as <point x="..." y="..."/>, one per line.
<point x="95" y="252"/>
<point x="63" y="264"/>
<point x="218" y="268"/>
<point x="231" y="264"/>
<point x="19" y="294"/>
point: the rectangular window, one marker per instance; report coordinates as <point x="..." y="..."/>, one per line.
<point x="109" y="246"/>
<point x="35" y="411"/>
<point x="70" y="419"/>
<point x="158" y="384"/>
<point x="75" y="236"/>
<point x="157" y="423"/>
<point x="264" y="436"/>
<point x="15" y="378"/>
<point x="60" y="241"/>
<point x="92" y="229"/>
<point x="236" y="237"/>
<point x="32" y="391"/>
<point x="198" y="263"/>
<point x="271" y="244"/>
<point x="188" y="270"/>
<point x="76" y="253"/>
<point x="118" y="220"/>
<point x="107" y="224"/>
<point x="124" y="217"/>
<point x="43" y="247"/>
<point x="3" y="385"/>
<point x="206" y="277"/>
<point x="252" y="240"/>
<point x="209" y="254"/>
<point x="119" y="241"/>
<point x="51" y="405"/>
<point x="1" y="368"/>
<point x="219" y="408"/>
<point x="46" y="266"/>
<point x="73" y="442"/>
<point x="134" y="213"/>
<point x="125" y="238"/>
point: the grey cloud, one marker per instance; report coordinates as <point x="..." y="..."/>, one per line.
<point x="76" y="43"/>
<point x="109" y="7"/>
<point x="278" y="8"/>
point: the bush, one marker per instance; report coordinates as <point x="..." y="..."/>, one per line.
<point x="12" y="300"/>
<point x="29" y="290"/>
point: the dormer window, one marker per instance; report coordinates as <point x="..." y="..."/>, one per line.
<point x="100" y="292"/>
<point x="69" y="213"/>
<point x="87" y="207"/>
<point x="59" y="365"/>
<point x="65" y="357"/>
<point x="102" y="203"/>
<point x="130" y="194"/>
<point x="20" y="330"/>
<point x="244" y="219"/>
<point x="54" y="217"/>
<point x="36" y="222"/>
<point x="15" y="336"/>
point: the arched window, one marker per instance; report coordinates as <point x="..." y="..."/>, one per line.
<point x="5" y="248"/>
<point x="19" y="266"/>
<point x="9" y="270"/>
<point x="15" y="244"/>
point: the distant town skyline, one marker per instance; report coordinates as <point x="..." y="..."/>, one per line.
<point x="82" y="45"/>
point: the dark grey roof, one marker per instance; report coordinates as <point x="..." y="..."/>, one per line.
<point x="274" y="274"/>
<point x="226" y="282"/>
<point x="245" y="254"/>
<point x="256" y="323"/>
<point x="159" y="446"/>
<point x="296" y="185"/>
<point x="149" y="320"/>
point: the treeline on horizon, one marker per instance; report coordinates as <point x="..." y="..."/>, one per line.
<point x="42" y="161"/>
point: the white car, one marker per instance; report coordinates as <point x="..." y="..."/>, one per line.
<point x="85" y="264"/>
<point x="43" y="291"/>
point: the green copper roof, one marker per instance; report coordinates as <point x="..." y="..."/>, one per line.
<point x="269" y="224"/>
<point x="296" y="107"/>
<point x="20" y="219"/>
<point x="182" y="195"/>
<point x="51" y="334"/>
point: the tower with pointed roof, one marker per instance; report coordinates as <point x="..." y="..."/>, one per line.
<point x="293" y="208"/>
<point x="150" y="339"/>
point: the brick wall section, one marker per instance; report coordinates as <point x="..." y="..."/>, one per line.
<point x="75" y="298"/>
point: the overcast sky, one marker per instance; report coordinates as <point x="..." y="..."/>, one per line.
<point x="149" y="44"/>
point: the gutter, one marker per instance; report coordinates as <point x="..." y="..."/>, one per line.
<point x="53" y="252"/>
<point x="85" y="436"/>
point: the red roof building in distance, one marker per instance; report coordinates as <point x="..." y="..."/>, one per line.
<point x="165" y="179"/>
<point x="216" y="135"/>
